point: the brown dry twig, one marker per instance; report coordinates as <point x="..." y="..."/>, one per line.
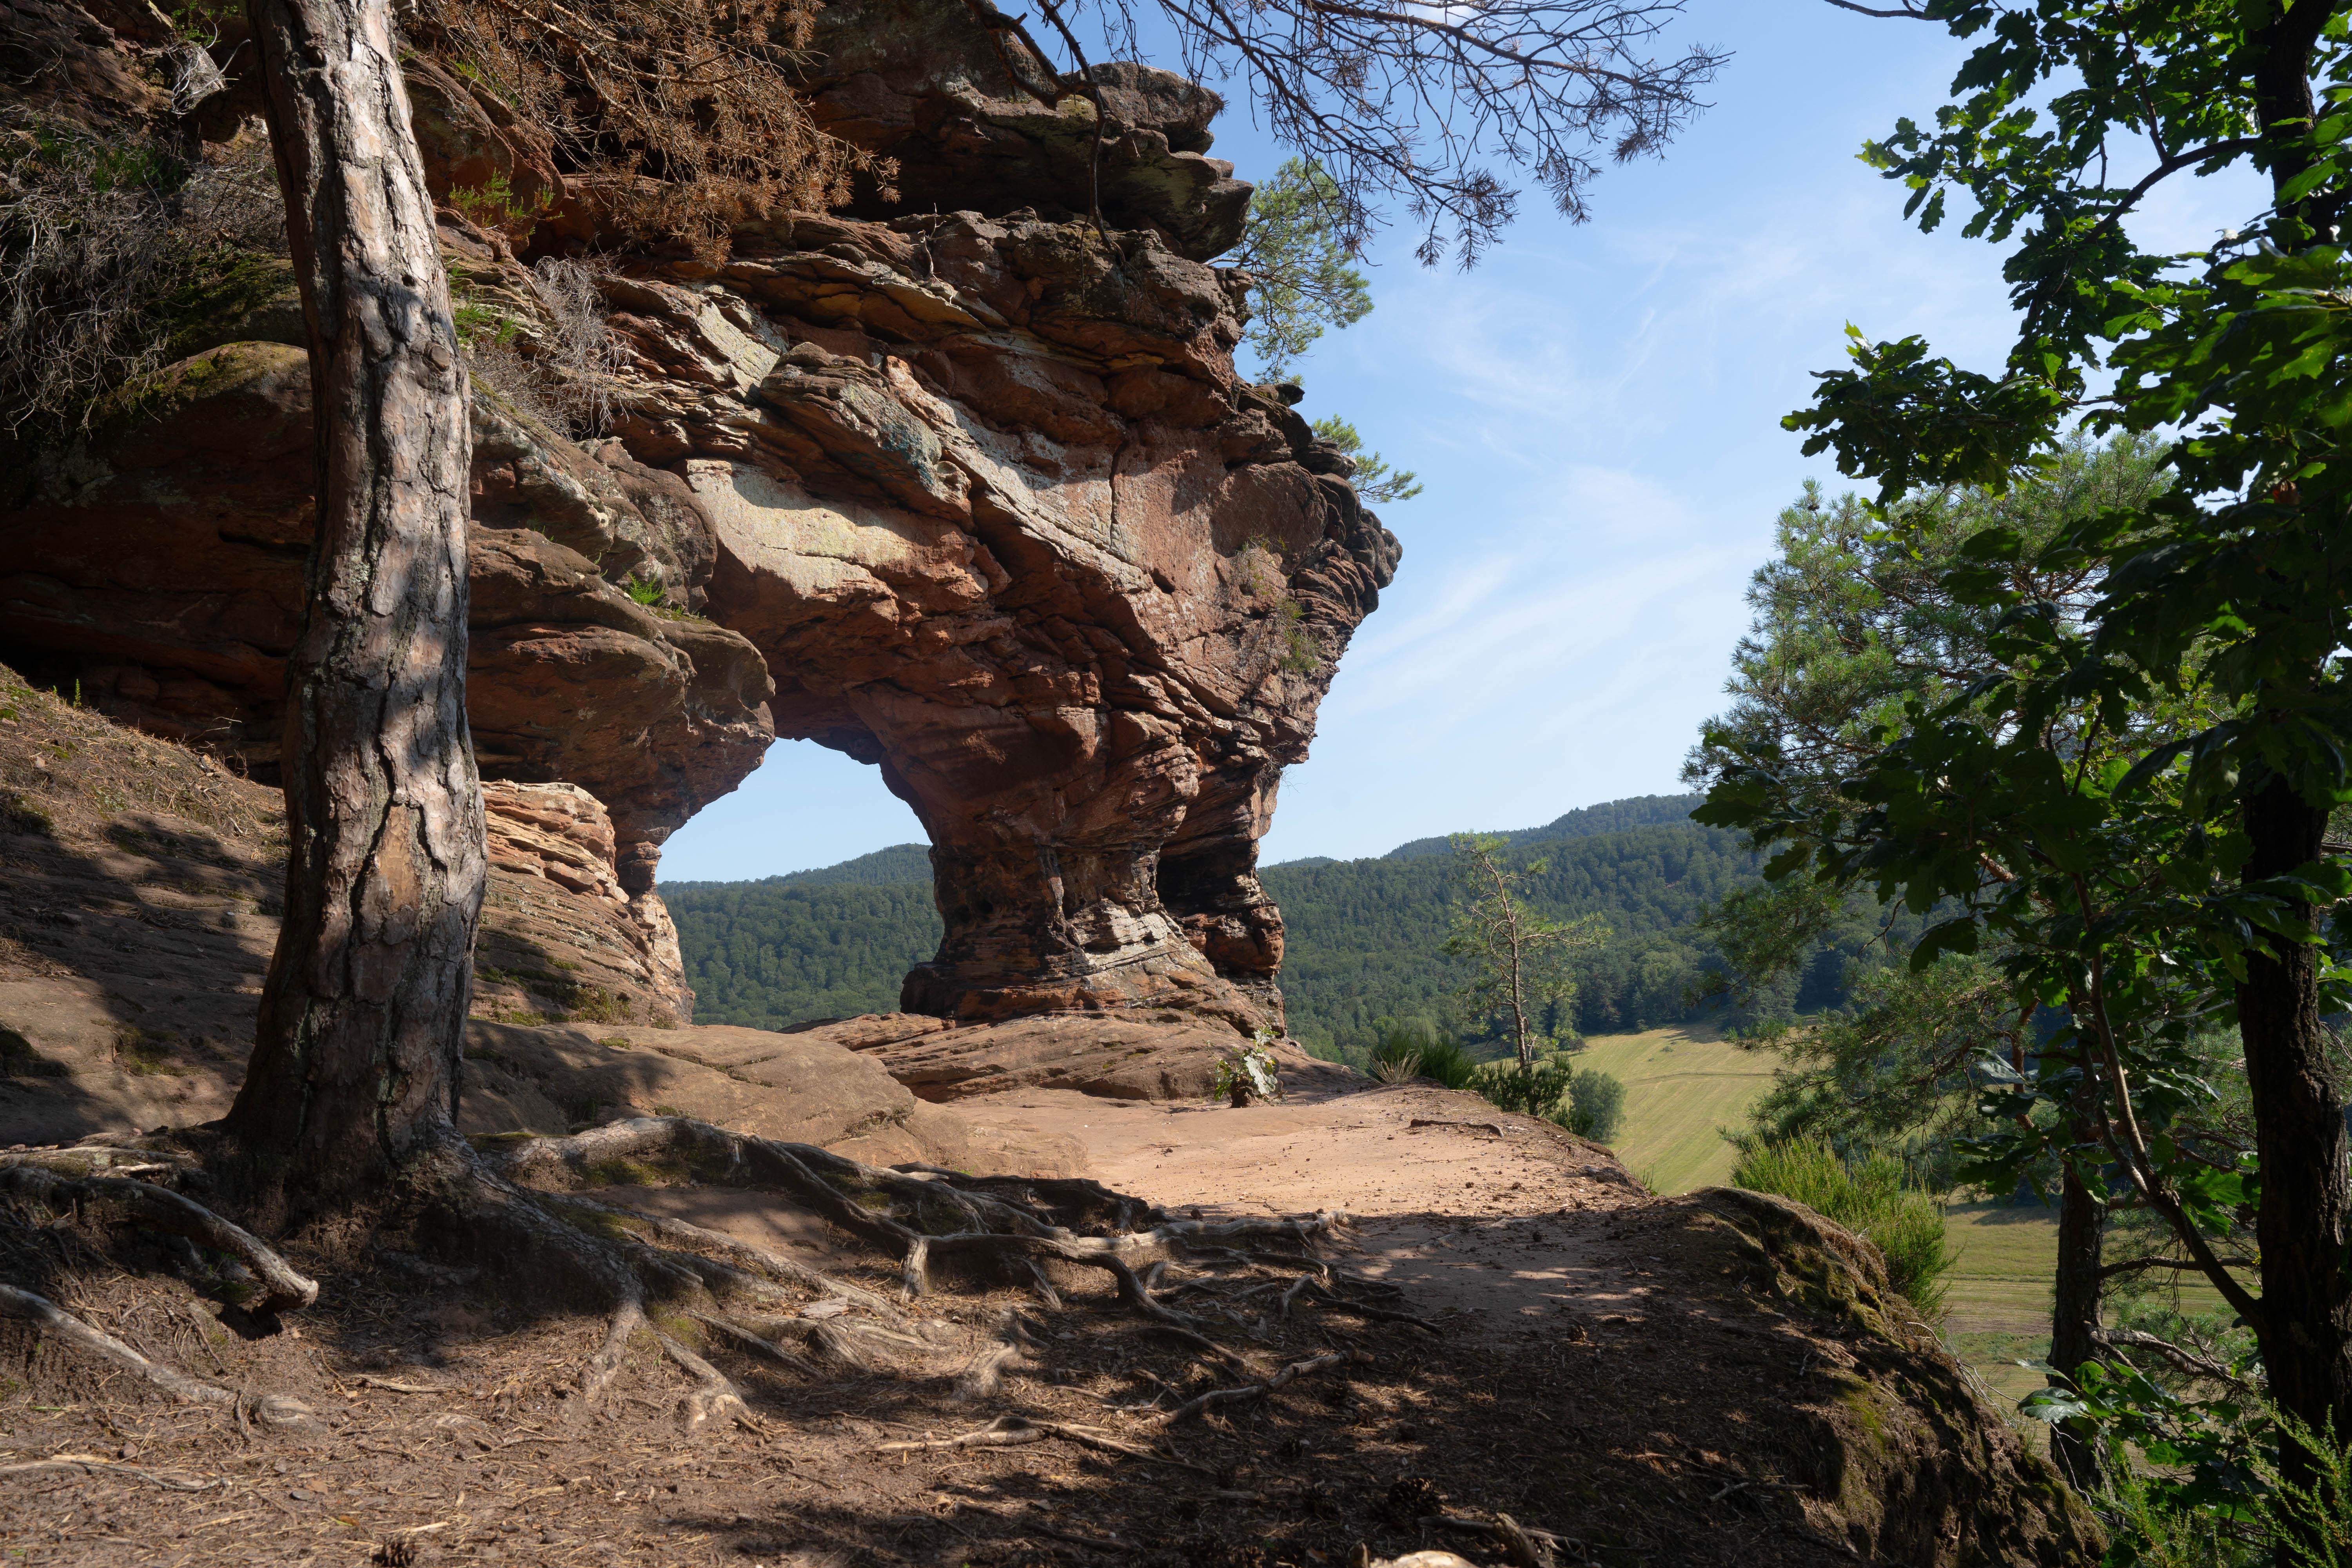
<point x="91" y="1464"/>
<point x="1017" y="1431"/>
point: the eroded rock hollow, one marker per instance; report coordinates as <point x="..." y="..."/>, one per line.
<point x="957" y="483"/>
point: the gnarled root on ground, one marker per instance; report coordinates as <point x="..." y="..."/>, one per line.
<point x="1013" y="1431"/>
<point x="52" y="1319"/>
<point x="513" y="1203"/>
<point x="157" y="1208"/>
<point x="1525" y="1547"/>
<point x="1247" y="1392"/>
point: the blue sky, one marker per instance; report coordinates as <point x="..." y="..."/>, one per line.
<point x="1595" y="413"/>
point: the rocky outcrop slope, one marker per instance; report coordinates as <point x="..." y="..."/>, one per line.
<point x="157" y="562"/>
<point x="140" y="886"/>
<point x="1163" y="1057"/>
<point x="956" y="483"/>
<point x="1717" y="1378"/>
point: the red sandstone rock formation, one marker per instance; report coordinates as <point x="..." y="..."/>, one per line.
<point x="558" y="924"/>
<point x="159" y="564"/>
<point x="1131" y="1057"/>
<point x="980" y="488"/>
<point x="138" y="907"/>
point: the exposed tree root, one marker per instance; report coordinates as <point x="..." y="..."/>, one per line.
<point x="714" y="1396"/>
<point x="162" y="1209"/>
<point x="1361" y="1309"/>
<point x="764" y="1347"/>
<point x="1525" y="1546"/>
<point x="1288" y="1375"/>
<point x="597" y="1375"/>
<point x="109" y="1154"/>
<point x="92" y="1465"/>
<point x="742" y="1252"/>
<point x="55" y="1319"/>
<point x="52" y="1319"/>
<point x="514" y="1206"/>
<point x="1013" y="1431"/>
<point x="983" y="1374"/>
<point x="1201" y="1344"/>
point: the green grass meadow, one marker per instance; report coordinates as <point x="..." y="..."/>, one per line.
<point x="2000" y="1300"/>
<point x="1685" y="1086"/>
<point x="2001" y="1291"/>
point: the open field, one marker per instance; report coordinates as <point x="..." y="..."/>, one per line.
<point x="2000" y="1300"/>
<point x="1683" y="1085"/>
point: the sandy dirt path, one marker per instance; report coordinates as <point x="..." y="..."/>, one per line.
<point x="1471" y="1210"/>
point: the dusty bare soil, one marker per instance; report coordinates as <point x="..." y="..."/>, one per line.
<point x="1603" y="1368"/>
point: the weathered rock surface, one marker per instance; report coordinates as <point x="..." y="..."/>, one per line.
<point x="796" y="1089"/>
<point x="139" y="900"/>
<point x="1166" y="1057"/>
<point x="975" y="481"/>
<point x="925" y="85"/>
<point x="160" y="566"/>
<point x="556" y="925"/>
<point x="991" y="502"/>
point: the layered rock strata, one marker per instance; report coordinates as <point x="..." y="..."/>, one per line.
<point x="924" y="85"/>
<point x="157" y="564"/>
<point x="989" y="499"/>
<point x="559" y="929"/>
<point x="977" y="488"/>
<point x="139" y="901"/>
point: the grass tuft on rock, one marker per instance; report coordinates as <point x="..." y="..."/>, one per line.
<point x="1872" y="1196"/>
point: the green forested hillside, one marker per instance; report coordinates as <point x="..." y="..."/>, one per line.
<point x="1608" y="816"/>
<point x="897" y="864"/>
<point x="1364" y="936"/>
<point x="780" y="952"/>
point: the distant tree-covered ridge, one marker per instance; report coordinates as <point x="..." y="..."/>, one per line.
<point x="897" y="864"/>
<point x="780" y="951"/>
<point x="1609" y="816"/>
<point x="1364" y="941"/>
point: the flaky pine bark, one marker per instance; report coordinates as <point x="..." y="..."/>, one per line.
<point x="362" y="1020"/>
<point x="2304" y="1220"/>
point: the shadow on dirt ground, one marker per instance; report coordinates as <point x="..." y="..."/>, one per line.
<point x="1513" y="1326"/>
<point x="1693" y="1415"/>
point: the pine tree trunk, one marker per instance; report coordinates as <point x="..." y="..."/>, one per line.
<point x="2075" y="1312"/>
<point x="2304" y="1217"/>
<point x="363" y="1013"/>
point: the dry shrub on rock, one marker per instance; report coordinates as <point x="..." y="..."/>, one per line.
<point x="680" y="114"/>
<point x="577" y="353"/>
<point x="106" y="236"/>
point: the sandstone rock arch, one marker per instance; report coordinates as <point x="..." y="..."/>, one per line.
<point x="1078" y="604"/>
<point x="975" y="495"/>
